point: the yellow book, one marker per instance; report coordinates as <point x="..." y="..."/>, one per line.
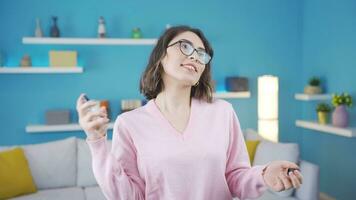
<point x="63" y="58"/>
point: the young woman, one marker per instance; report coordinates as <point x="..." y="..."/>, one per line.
<point x="182" y="144"/>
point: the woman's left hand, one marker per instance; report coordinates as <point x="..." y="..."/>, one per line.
<point x="277" y="178"/>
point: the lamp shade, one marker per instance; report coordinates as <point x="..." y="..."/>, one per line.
<point x="268" y="107"/>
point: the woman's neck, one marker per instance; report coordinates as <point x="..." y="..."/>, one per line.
<point x="173" y="99"/>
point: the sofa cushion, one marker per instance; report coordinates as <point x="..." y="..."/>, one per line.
<point x="84" y="162"/>
<point x="310" y="187"/>
<point x="268" y="195"/>
<point x="15" y="174"/>
<point x="271" y="151"/>
<point x="250" y="134"/>
<point x="94" y="193"/>
<point x="52" y="164"/>
<point x="55" y="194"/>
<point x="251" y="148"/>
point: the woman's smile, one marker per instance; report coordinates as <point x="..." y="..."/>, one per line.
<point x="190" y="67"/>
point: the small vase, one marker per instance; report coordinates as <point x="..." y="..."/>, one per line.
<point x="26" y="61"/>
<point x="54" y="29"/>
<point x="38" y="30"/>
<point x="312" y="89"/>
<point x="323" y="117"/>
<point x="340" y="117"/>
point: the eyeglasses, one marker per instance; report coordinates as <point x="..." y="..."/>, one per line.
<point x="187" y="49"/>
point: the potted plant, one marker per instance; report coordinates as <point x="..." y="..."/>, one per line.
<point x="313" y="87"/>
<point x="323" y="110"/>
<point x="340" y="116"/>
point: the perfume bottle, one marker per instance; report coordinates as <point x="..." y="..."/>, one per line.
<point x="54" y="29"/>
<point x="38" y="31"/>
<point x="101" y="28"/>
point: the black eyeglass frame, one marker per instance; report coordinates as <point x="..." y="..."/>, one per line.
<point x="194" y="49"/>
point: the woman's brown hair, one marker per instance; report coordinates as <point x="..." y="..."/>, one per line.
<point x="151" y="83"/>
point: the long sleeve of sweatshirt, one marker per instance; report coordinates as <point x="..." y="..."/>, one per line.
<point x="116" y="170"/>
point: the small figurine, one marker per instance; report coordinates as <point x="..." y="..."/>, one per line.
<point x="38" y="31"/>
<point x="26" y="61"/>
<point x="101" y="28"/>
<point x="54" y="29"/>
<point x="136" y="33"/>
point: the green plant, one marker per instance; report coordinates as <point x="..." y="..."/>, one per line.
<point x="342" y="99"/>
<point x="323" y="107"/>
<point x="314" y="81"/>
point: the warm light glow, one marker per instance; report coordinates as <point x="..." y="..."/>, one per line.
<point x="268" y="107"/>
<point x="268" y="129"/>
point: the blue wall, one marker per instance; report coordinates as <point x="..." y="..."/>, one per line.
<point x="329" y="51"/>
<point x="291" y="39"/>
<point x="250" y="38"/>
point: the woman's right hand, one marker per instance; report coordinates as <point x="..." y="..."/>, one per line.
<point x="93" y="122"/>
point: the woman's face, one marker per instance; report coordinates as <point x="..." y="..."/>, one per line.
<point x="180" y="67"/>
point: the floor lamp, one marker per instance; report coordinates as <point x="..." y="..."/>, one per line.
<point x="268" y="107"/>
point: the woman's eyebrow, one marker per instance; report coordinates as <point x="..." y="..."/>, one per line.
<point x="185" y="40"/>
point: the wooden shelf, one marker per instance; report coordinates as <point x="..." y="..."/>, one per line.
<point x="57" y="128"/>
<point x="40" y="70"/>
<point x="89" y="41"/>
<point x="346" y="132"/>
<point x="232" y="95"/>
<point x="312" y="97"/>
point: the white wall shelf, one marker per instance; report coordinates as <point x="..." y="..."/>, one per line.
<point x="312" y="97"/>
<point x="89" y="41"/>
<point x="40" y="70"/>
<point x="346" y="132"/>
<point x="76" y="127"/>
<point x="232" y="95"/>
<point x="57" y="128"/>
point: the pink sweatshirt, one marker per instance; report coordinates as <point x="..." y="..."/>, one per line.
<point x="151" y="160"/>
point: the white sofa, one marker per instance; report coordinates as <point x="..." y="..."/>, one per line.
<point x="268" y="151"/>
<point x="62" y="170"/>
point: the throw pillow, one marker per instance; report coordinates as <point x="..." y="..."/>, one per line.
<point x="251" y="148"/>
<point x="15" y="174"/>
